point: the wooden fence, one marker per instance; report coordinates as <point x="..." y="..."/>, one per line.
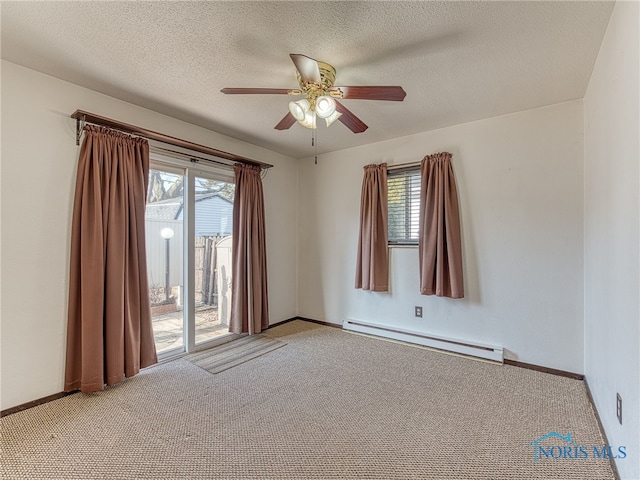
<point x="206" y="282"/>
<point x="206" y="287"/>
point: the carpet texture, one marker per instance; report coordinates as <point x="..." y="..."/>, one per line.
<point x="221" y="358"/>
<point x="331" y="405"/>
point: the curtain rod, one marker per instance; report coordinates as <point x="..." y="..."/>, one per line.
<point x="83" y="117"/>
<point x="195" y="158"/>
<point x="187" y="156"/>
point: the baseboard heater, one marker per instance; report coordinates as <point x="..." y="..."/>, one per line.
<point x="489" y="352"/>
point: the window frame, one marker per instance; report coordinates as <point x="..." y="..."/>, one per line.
<point x="410" y="198"/>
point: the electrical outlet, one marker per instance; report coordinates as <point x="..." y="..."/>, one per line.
<point x="619" y="407"/>
<point x="418" y="311"/>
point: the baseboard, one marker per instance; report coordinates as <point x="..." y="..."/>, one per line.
<point x="282" y="322"/>
<point x="34" y="403"/>
<point x="612" y="462"/>
<point x="319" y="322"/>
<point x="538" y="368"/>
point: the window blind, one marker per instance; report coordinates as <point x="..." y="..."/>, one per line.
<point x="404" y="205"/>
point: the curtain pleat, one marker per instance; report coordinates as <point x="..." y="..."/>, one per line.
<point x="109" y="333"/>
<point x="249" y="295"/>
<point x="372" y="268"/>
<point x="440" y="240"/>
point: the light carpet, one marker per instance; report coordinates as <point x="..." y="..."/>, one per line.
<point x="231" y="354"/>
<point x="332" y="405"/>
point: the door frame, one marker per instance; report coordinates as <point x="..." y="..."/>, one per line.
<point x="190" y="172"/>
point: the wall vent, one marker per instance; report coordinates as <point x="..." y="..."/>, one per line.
<point x="462" y="347"/>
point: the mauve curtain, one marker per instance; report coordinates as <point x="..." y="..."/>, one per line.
<point x="109" y="333"/>
<point x="249" y="302"/>
<point x="439" y="241"/>
<point x="372" y="268"/>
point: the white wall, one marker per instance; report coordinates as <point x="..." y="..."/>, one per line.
<point x="611" y="231"/>
<point x="520" y="186"/>
<point x="39" y="158"/>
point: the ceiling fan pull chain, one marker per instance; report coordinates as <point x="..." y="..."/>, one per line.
<point x="314" y="144"/>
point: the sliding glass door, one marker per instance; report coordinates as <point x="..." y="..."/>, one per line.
<point x="165" y="257"/>
<point x="213" y="212"/>
<point x="189" y="216"/>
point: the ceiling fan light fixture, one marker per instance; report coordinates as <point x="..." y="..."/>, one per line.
<point x="300" y="109"/>
<point x="325" y="106"/>
<point x="332" y="118"/>
<point x="309" y="120"/>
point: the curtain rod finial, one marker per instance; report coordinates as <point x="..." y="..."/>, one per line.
<point x="80" y="121"/>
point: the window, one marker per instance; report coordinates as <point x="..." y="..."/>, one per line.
<point x="404" y="205"/>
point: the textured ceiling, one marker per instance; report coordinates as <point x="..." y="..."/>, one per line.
<point x="457" y="61"/>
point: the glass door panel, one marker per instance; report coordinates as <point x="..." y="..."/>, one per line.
<point x="165" y="257"/>
<point x="213" y="202"/>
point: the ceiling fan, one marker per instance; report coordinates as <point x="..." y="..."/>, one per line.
<point x="321" y="96"/>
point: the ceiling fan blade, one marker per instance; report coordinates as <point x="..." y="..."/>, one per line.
<point x="262" y="91"/>
<point x="394" y="94"/>
<point x="307" y="67"/>
<point x="352" y="122"/>
<point x="286" y="122"/>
